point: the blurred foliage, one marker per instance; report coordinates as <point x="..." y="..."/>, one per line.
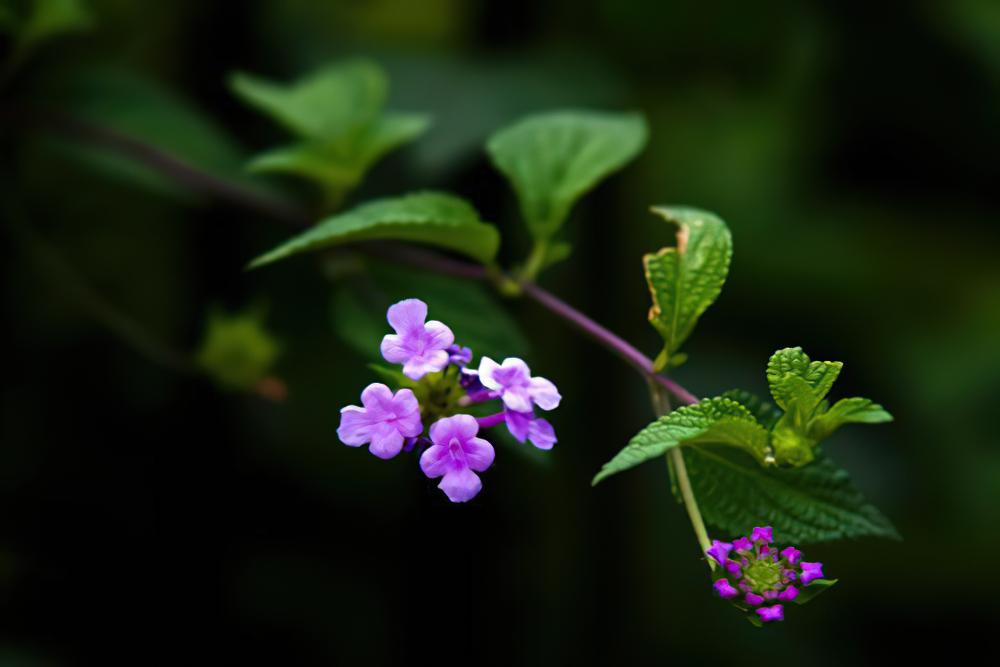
<point x="236" y="350"/>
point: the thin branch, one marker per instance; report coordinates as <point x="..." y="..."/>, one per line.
<point x="170" y="166"/>
<point x="200" y="181"/>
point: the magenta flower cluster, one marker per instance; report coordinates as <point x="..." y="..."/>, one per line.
<point x="756" y="576"/>
<point x="391" y="422"/>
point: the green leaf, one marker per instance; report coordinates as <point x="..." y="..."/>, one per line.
<point x="763" y="411"/>
<point x="819" y="377"/>
<point x="432" y="218"/>
<point x="337" y="100"/>
<point x="47" y="19"/>
<point x="714" y="420"/>
<point x="800" y="386"/>
<point x="814" y="503"/>
<point x="339" y="166"/>
<point x="472" y="312"/>
<point x="552" y="159"/>
<point x="684" y="280"/>
<point x="337" y="115"/>
<point x="236" y="350"/>
<point x="848" y="411"/>
<point x="815" y="587"/>
<point x="142" y="110"/>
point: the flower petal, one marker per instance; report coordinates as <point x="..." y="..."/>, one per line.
<point x="460" y="485"/>
<point x="438" y="336"/>
<point x="487" y="367"/>
<point x="377" y="399"/>
<point x="517" y="399"/>
<point x="478" y="453"/>
<point x="544" y="393"/>
<point x="465" y="426"/>
<point x="541" y="434"/>
<point x="355" y="427"/>
<point x="393" y="350"/>
<point x="418" y="366"/>
<point x="386" y="441"/>
<point x="513" y="372"/>
<point x="518" y="423"/>
<point x="407" y="316"/>
<point x="435" y="461"/>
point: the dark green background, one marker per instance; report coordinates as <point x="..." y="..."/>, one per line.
<point x="851" y="146"/>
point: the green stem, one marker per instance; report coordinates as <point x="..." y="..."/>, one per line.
<point x="661" y="405"/>
<point x="535" y="262"/>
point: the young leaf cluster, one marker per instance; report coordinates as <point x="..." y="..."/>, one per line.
<point x="338" y="118"/>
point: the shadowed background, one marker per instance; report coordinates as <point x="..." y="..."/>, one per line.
<point x="149" y="515"/>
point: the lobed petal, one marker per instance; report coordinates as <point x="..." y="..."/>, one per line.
<point x="517" y="399"/>
<point x="394" y="350"/>
<point x="544" y="393"/>
<point x="386" y="441"/>
<point x="378" y="401"/>
<point x="541" y="434"/>
<point x="435" y="461"/>
<point x="460" y="485"/>
<point x="478" y="453"/>
<point x="764" y="534"/>
<point x="355" y="427"/>
<point x="407" y="316"/>
<point x="518" y="423"/>
<point x="415" y="367"/>
<point x="487" y="369"/>
<point x="513" y="372"/>
<point x="438" y="336"/>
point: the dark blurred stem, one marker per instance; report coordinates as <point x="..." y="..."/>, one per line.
<point x="167" y="164"/>
<point x="76" y="289"/>
<point x="608" y="339"/>
<point x="189" y="175"/>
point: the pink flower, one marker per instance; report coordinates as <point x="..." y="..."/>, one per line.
<point x="512" y="381"/>
<point x="384" y="421"/>
<point x="455" y="454"/>
<point x="422" y="347"/>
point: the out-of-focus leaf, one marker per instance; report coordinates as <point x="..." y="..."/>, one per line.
<point x="44" y="20"/>
<point x="814" y="503"/>
<point x="337" y="114"/>
<point x="714" y="420"/>
<point x="478" y="321"/>
<point x="236" y="350"/>
<point x="339" y="165"/>
<point x="337" y="100"/>
<point x="552" y="159"/>
<point x="142" y="110"/>
<point x="684" y="280"/>
<point x="432" y="218"/>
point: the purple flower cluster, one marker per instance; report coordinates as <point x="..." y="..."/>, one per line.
<point x="757" y="576"/>
<point x="441" y="385"/>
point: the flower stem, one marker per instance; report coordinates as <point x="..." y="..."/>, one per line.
<point x="661" y="405"/>
<point x="490" y="421"/>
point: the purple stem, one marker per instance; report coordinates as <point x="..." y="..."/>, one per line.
<point x="609" y="339"/>
<point x="193" y="177"/>
<point x="490" y="421"/>
<point x="478" y="397"/>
